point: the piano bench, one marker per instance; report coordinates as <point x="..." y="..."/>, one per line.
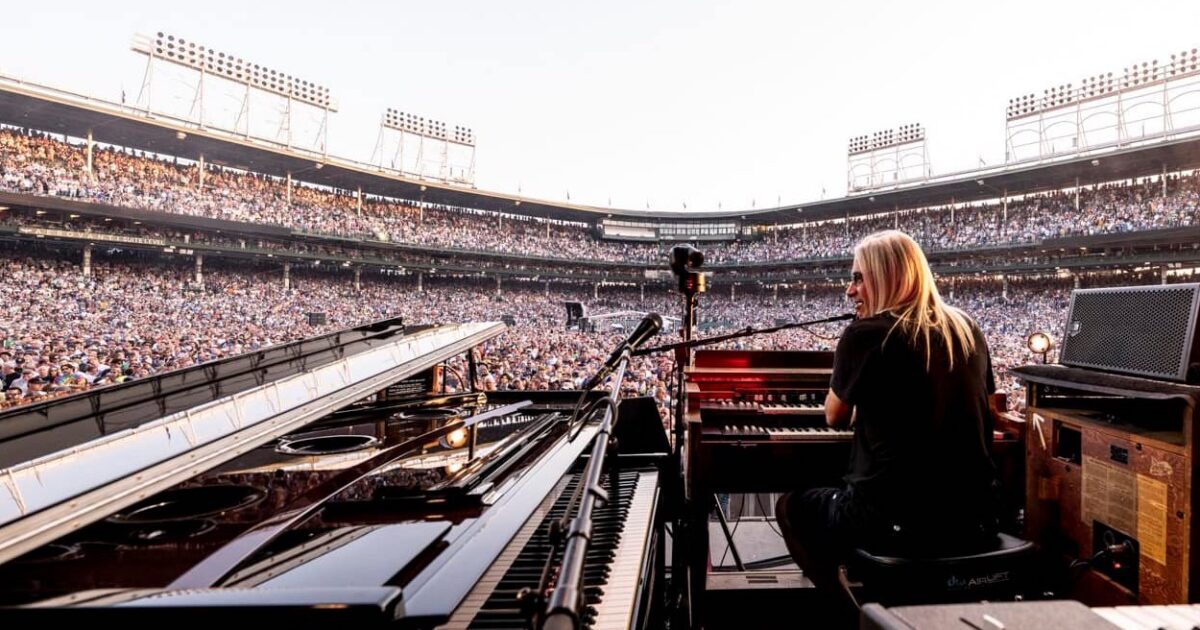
<point x="998" y="573"/>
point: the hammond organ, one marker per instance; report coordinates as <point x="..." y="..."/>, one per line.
<point x="756" y="423"/>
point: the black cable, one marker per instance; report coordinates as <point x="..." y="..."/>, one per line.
<point x="818" y="335"/>
<point x="575" y="412"/>
<point x="732" y="533"/>
<point x="758" y="501"/>
<point x="590" y="410"/>
<point x="456" y="374"/>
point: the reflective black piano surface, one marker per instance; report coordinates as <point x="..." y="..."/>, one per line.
<point x="396" y="509"/>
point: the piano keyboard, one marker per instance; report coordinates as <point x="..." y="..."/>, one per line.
<point x="612" y="579"/>
<point x="1178" y="617"/>
<point x="758" y="432"/>
<point x="625" y="580"/>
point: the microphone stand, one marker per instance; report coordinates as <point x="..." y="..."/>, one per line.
<point x="745" y="332"/>
<point x="563" y="607"/>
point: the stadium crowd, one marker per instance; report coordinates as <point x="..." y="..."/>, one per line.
<point x="35" y="163"/>
<point x="63" y="332"/>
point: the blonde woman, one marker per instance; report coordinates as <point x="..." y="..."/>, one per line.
<point x="911" y="377"/>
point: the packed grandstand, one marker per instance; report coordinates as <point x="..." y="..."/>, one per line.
<point x="130" y="256"/>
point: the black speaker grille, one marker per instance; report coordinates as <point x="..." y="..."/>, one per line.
<point x="1137" y="330"/>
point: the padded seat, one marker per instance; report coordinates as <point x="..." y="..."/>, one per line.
<point x="998" y="572"/>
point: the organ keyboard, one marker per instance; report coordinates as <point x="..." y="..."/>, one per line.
<point x="748" y="433"/>
<point x="756" y="422"/>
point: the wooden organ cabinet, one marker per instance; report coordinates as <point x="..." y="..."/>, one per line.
<point x="1109" y="481"/>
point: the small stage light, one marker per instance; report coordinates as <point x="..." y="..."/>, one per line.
<point x="1040" y="343"/>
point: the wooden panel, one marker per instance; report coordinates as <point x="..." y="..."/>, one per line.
<point x="1147" y="496"/>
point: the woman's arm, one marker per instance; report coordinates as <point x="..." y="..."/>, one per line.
<point x="837" y="412"/>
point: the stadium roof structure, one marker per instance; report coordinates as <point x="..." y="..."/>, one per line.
<point x="51" y="110"/>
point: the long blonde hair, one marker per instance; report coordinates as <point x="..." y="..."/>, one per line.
<point x="898" y="280"/>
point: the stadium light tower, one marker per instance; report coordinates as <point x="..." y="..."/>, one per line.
<point x="405" y="136"/>
<point x="886" y="158"/>
<point x="289" y="91"/>
<point x="1147" y="101"/>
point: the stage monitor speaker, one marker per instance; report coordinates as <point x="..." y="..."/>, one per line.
<point x="316" y="319"/>
<point x="508" y="320"/>
<point x="574" y="313"/>
<point x="1148" y="331"/>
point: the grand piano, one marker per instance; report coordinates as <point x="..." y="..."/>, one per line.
<point x="406" y="508"/>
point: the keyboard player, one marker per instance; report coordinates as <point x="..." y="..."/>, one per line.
<point x="911" y="376"/>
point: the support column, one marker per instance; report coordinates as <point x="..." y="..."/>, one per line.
<point x="200" y="179"/>
<point x="358" y="279"/>
<point x="1164" y="275"/>
<point x="287" y="189"/>
<point x="287" y="276"/>
<point x="90" y="144"/>
<point x="775" y="294"/>
<point x="1164" y="185"/>
<point x="642" y="291"/>
<point x="1077" y="194"/>
<point x="200" y="269"/>
<point x="87" y="261"/>
<point x="804" y="294"/>
<point x="1004" y="287"/>
<point x="358" y="202"/>
<point x="732" y="294"/>
<point x="1004" y="225"/>
<point x="595" y="290"/>
<point x="420" y="281"/>
<point x="547" y="287"/>
<point x="1076" y="276"/>
<point x="499" y="290"/>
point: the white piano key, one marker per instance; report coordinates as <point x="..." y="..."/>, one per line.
<point x="1120" y="619"/>
<point x="615" y="609"/>
<point x="1169" y="618"/>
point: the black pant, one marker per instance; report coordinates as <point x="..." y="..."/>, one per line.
<point x="822" y="526"/>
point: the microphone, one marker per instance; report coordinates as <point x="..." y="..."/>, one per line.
<point x="647" y="328"/>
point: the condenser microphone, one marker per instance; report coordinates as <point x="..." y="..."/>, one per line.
<point x="647" y="328"/>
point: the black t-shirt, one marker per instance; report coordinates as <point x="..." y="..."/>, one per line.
<point x="922" y="437"/>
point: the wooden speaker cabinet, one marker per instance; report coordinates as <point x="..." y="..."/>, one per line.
<point x="1109" y="481"/>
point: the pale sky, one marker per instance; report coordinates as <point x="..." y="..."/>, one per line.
<point x="703" y="102"/>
